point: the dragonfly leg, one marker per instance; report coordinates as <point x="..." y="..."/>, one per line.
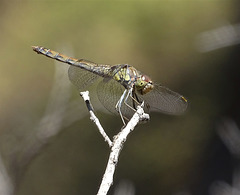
<point x="135" y="100"/>
<point x="125" y="100"/>
<point x="119" y="104"/>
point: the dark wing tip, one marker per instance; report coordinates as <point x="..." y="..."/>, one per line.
<point x="184" y="105"/>
<point x="184" y="99"/>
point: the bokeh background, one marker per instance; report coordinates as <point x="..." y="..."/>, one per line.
<point x="49" y="146"/>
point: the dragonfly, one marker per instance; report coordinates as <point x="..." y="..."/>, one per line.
<point x="120" y="88"/>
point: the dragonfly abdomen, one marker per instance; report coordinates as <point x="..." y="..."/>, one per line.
<point x="101" y="70"/>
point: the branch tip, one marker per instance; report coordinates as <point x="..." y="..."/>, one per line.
<point x="85" y="95"/>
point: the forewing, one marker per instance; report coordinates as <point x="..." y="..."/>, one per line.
<point x="162" y="99"/>
<point x="81" y="78"/>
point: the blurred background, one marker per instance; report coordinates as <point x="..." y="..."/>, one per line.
<point x="49" y="146"/>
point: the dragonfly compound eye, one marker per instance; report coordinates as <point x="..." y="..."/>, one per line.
<point x="144" y="84"/>
<point x="148" y="87"/>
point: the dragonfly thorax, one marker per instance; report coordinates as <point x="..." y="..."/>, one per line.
<point x="125" y="74"/>
<point x="144" y="84"/>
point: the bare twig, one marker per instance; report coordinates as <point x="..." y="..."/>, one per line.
<point x="86" y="98"/>
<point x="117" y="143"/>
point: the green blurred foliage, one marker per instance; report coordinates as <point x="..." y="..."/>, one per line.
<point x="161" y="157"/>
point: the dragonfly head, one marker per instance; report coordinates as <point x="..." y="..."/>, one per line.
<point x="144" y="84"/>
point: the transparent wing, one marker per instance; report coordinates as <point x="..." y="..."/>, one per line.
<point x="81" y="78"/>
<point x="162" y="99"/>
<point x="109" y="92"/>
